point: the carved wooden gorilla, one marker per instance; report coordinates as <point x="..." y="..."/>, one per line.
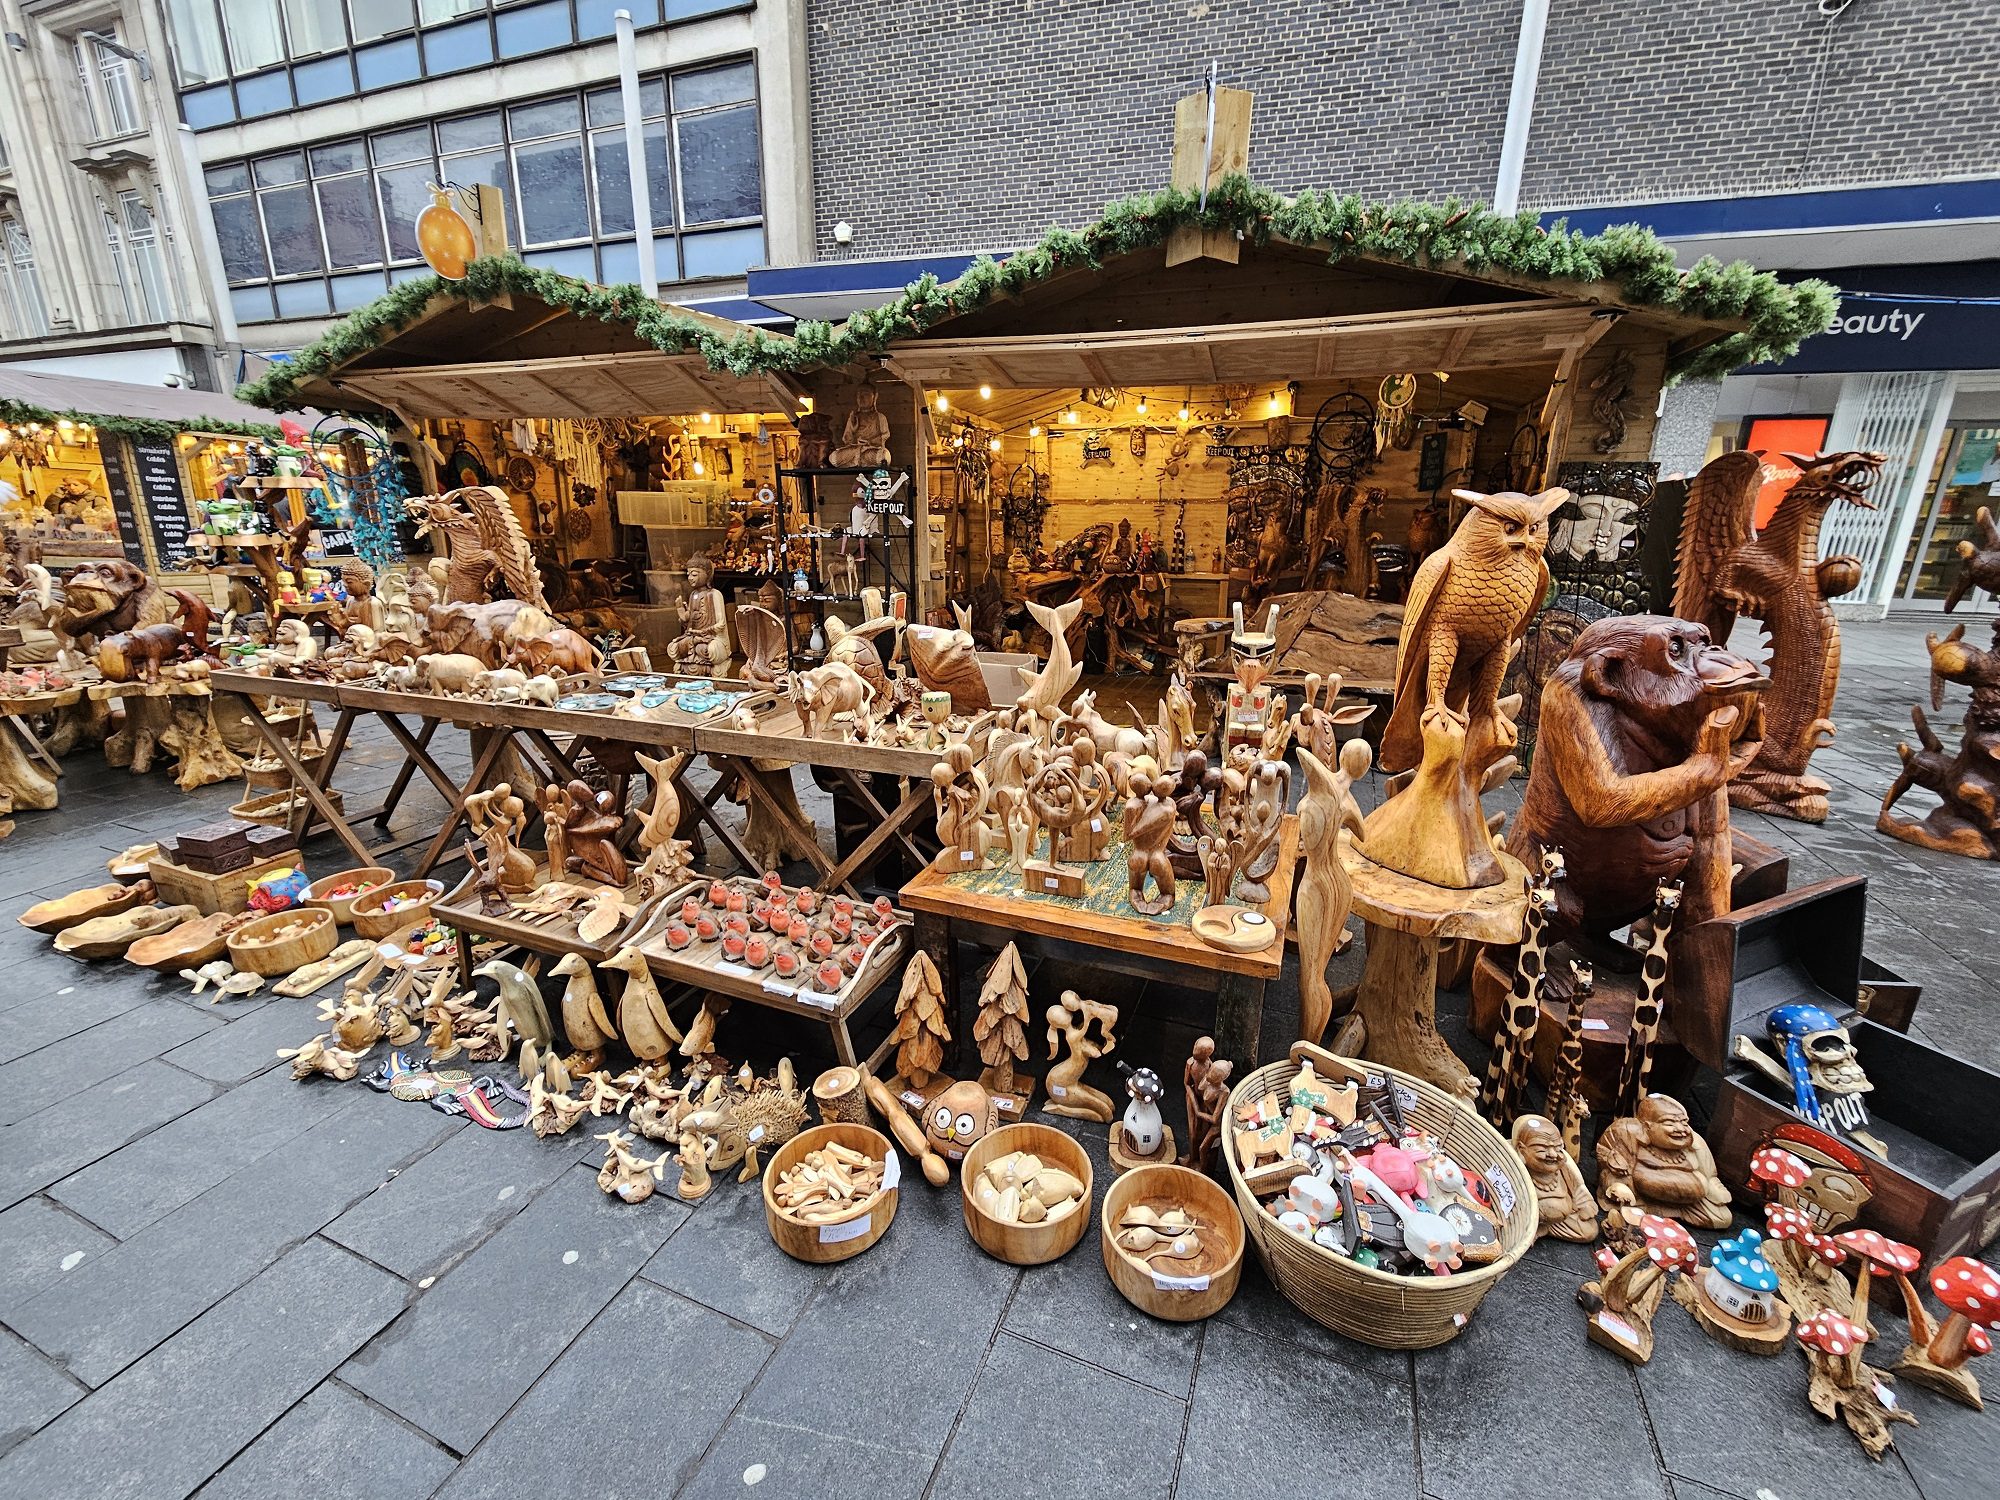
<point x="1632" y="755"/>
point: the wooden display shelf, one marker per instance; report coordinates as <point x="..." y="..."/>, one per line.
<point x="551" y="933"/>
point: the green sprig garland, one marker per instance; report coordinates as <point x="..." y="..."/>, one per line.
<point x="20" y="413"/>
<point x="1637" y="267"/>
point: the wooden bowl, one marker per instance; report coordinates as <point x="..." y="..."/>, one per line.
<point x="254" y="950"/>
<point x="342" y="907"/>
<point x="823" y="1244"/>
<point x="1199" y="1291"/>
<point x="371" y="921"/>
<point x="80" y="906"/>
<point x="109" y="937"/>
<point x="188" y="946"/>
<point x="1025" y="1244"/>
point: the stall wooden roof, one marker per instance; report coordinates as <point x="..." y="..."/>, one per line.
<point x="529" y="359"/>
<point x="1282" y="309"/>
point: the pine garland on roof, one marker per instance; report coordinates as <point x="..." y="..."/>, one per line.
<point x="1637" y="267"/>
<point x="21" y="413"/>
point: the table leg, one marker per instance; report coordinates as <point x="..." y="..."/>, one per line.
<point x="1397" y="1003"/>
<point x="33" y="746"/>
<point x="704" y="809"/>
<point x="843" y="1043"/>
<point x="481" y="769"/>
<point x="1239" y="1017"/>
<point x="412" y="752"/>
<point x="891" y="825"/>
<point x="304" y="781"/>
<point x="759" y="791"/>
<point x="329" y="758"/>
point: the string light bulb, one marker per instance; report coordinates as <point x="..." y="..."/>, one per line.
<point x="1183" y="414"/>
<point x="986" y="393"/>
<point x="1069" y="415"/>
<point x="1034" y="430"/>
<point x="993" y="444"/>
<point x="943" y="402"/>
<point x="1141" y="408"/>
<point x="706" y="419"/>
<point x="699" y="468"/>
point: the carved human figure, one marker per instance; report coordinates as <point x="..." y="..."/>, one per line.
<point x="498" y="816"/>
<point x="1325" y="890"/>
<point x="1567" y="1210"/>
<point x="591" y="834"/>
<point x="702" y="644"/>
<point x="1654" y="1161"/>
<point x="1070" y="1021"/>
<point x="1149" y="820"/>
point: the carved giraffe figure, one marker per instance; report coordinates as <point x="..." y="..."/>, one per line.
<point x="1636" y="1074"/>
<point x="1567" y="1106"/>
<point x="1507" y="1070"/>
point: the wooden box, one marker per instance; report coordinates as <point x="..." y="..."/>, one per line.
<point x="180" y="886"/>
<point x="1939" y="1116"/>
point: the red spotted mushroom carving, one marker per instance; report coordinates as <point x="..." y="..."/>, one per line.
<point x="1970" y="1292"/>
<point x="1622" y="1304"/>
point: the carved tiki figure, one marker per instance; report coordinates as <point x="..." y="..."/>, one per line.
<point x="1725" y="568"/>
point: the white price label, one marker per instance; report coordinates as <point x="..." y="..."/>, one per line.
<point x="1097" y="825"/>
<point x="733" y="970"/>
<point x="892" y="1171"/>
<point x="840" y="1234"/>
<point x="965" y="856"/>
<point x="1595" y="1023"/>
<point x="1503" y="1190"/>
<point x="780" y="988"/>
<point x="1058" y="1091"/>
<point x="1049" y="882"/>
<point x="757" y="1134"/>
<point x="1180" y="1283"/>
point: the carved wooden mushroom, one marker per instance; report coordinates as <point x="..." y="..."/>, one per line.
<point x="1622" y="1305"/>
<point x="1970" y="1291"/>
<point x="1841" y="1387"/>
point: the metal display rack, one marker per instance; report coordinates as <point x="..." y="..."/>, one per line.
<point x="879" y="549"/>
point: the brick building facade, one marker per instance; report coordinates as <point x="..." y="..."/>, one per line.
<point x="939" y="127"/>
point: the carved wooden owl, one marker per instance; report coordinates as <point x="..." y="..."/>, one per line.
<point x="1468" y="602"/>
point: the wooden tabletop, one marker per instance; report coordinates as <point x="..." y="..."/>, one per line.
<point x="946" y="895"/>
<point x="1388" y="898"/>
<point x="257" y="684"/>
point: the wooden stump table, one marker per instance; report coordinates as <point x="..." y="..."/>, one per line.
<point x="1406" y="921"/>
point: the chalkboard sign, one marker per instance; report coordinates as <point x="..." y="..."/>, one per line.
<point x="159" y="478"/>
<point x="334" y="541"/>
<point x="119" y="483"/>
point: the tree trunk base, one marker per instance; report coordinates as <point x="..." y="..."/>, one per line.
<point x="141" y="736"/>
<point x="1858" y="1405"/>
<point x="193" y="736"/>
<point x="86" y="720"/>
<point x="1959" y="1385"/>
<point x="1397" y="1004"/>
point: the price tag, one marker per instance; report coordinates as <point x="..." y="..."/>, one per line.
<point x="756" y="1135"/>
<point x="1503" y="1190"/>
<point x="892" y="1171"/>
<point x="779" y="988"/>
<point x="734" y="971"/>
<point x="1097" y="825"/>
<point x="1058" y="1091"/>
<point x="965" y="856"/>
<point x="1595" y="1023"/>
<point x="1049" y="882"/>
<point x="839" y="1234"/>
<point x="1180" y="1283"/>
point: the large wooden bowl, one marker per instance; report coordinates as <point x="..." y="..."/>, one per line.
<point x="823" y="1244"/>
<point x="1025" y="1244"/>
<point x="253" y="948"/>
<point x="80" y="906"/>
<point x="371" y="921"/>
<point x="342" y="907"/>
<point x="188" y="946"/>
<point x="1162" y="1292"/>
<point x="109" y="937"/>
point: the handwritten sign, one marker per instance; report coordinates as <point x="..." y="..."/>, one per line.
<point x="120" y="485"/>
<point x="158" y="476"/>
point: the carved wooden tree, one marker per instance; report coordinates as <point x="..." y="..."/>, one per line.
<point x="920" y="1032"/>
<point x="999" y="1029"/>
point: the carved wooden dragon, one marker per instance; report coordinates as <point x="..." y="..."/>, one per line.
<point x="1726" y="568"/>
<point x="482" y="537"/>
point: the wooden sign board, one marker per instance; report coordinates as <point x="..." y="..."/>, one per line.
<point x="1202" y="160"/>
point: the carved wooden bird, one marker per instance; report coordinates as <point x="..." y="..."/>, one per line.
<point x="1469" y="601"/>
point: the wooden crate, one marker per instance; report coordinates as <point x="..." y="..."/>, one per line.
<point x="180" y="886"/>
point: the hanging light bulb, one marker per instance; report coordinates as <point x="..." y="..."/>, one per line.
<point x="706" y="419"/>
<point x="993" y="444"/>
<point x="1277" y="406"/>
<point x="986" y="393"/>
<point x="943" y="402"/>
<point x="1034" y="431"/>
<point x="1142" y="406"/>
<point x="1069" y="415"/>
<point x="1183" y="413"/>
<point x="699" y="468"/>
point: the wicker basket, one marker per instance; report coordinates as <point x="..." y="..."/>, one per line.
<point x="1378" y="1307"/>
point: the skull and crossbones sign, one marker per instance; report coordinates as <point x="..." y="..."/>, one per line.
<point x="1817" y="1061"/>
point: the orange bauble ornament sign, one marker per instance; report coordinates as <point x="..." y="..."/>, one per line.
<point x="444" y="239"/>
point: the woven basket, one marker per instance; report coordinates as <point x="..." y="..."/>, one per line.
<point x="1378" y="1307"/>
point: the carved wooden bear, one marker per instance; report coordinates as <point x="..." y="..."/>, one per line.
<point x="1632" y="756"/>
<point x="138" y="655"/>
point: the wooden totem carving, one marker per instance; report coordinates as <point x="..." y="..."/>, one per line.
<point x="1727" y="568"/>
<point x="1469" y="604"/>
<point x="1325" y="890"/>
<point x="1967" y="785"/>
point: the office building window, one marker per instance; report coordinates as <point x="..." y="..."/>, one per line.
<point x="27" y="308"/>
<point x="335" y="223"/>
<point x="283" y="53"/>
<point x="135" y="248"/>
<point x="110" y="97"/>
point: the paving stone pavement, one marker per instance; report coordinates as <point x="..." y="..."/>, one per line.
<point x="214" y="1280"/>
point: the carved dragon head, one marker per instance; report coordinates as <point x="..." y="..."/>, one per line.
<point x="1837" y="476"/>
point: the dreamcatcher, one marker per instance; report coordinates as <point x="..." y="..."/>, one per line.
<point x="1342" y="446"/>
<point x="1524" y="457"/>
<point x="466" y="465"/>
<point x="1395" y="412"/>
<point x="1026" y="506"/>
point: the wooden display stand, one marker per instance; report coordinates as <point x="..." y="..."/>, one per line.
<point x="180" y="886"/>
<point x="1406" y="922"/>
<point x="173" y="716"/>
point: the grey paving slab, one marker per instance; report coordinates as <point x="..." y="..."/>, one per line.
<point x="906" y="1324"/>
<point x="247" y="1044"/>
<point x="502" y="1315"/>
<point x="33" y="1392"/>
<point x="1585" y="1410"/>
<point x="1955" y="1453"/>
<point x="39" y="1245"/>
<point x="41" y="1020"/>
<point x="725" y="1260"/>
<point x="49" y="1075"/>
<point x="156" y="1174"/>
<point x="428" y="1215"/>
<point x="1771" y="1440"/>
<point x="95" y="1122"/>
<point x="577" y="1432"/>
<point x="1259" y="1307"/>
<point x="1117" y="1438"/>
<point x="174" y="1269"/>
<point x="1249" y="1390"/>
<point x="333" y="1446"/>
<point x="777" y="1458"/>
<point x="1071" y="1305"/>
<point x="187" y="1408"/>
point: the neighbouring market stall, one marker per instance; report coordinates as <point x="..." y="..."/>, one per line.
<point x="1287" y="443"/>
